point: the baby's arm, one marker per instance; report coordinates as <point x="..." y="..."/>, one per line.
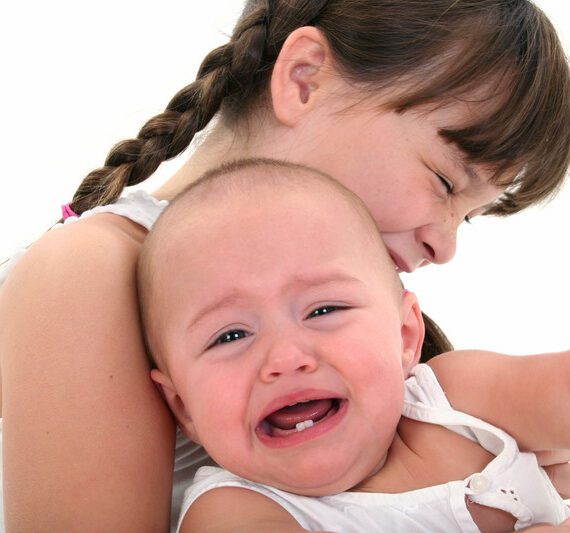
<point x="527" y="396"/>
<point x="88" y="443"/>
<point x="237" y="510"/>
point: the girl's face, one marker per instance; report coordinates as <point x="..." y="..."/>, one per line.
<point x="294" y="314"/>
<point x="418" y="187"/>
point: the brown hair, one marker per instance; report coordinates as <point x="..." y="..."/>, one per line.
<point x="435" y="341"/>
<point x="434" y="51"/>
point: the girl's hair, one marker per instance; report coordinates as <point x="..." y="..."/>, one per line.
<point x="435" y="340"/>
<point x="502" y="54"/>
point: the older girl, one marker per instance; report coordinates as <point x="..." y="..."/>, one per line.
<point x="432" y="112"/>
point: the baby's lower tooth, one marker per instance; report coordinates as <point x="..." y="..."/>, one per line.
<point x="304" y="425"/>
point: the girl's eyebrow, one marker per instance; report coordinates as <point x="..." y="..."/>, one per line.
<point x="457" y="159"/>
<point x="471" y="172"/>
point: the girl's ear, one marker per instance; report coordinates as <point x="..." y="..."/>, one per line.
<point x="412" y="331"/>
<point x="298" y="74"/>
<point x="175" y="403"/>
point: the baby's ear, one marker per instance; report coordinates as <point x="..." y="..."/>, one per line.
<point x="412" y="331"/>
<point x="175" y="403"/>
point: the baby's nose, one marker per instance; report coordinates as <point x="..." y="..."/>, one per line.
<point x="286" y="358"/>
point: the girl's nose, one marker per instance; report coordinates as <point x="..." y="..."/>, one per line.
<point x="287" y="358"/>
<point x="438" y="242"/>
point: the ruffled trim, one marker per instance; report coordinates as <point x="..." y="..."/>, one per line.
<point x="138" y="206"/>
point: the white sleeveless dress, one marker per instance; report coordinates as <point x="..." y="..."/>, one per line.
<point x="512" y="481"/>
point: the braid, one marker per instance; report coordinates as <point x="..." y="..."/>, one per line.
<point x="232" y="74"/>
<point x="375" y="44"/>
<point x="162" y="137"/>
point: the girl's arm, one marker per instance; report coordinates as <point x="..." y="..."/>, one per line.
<point x="527" y="396"/>
<point x="237" y="510"/>
<point x="549" y="528"/>
<point x="88" y="443"/>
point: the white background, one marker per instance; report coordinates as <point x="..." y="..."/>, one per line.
<point x="80" y="76"/>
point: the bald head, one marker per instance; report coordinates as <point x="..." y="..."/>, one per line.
<point x="270" y="193"/>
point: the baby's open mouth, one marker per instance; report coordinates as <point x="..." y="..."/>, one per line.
<point x="297" y="417"/>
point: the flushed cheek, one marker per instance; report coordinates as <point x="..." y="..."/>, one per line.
<point x="407" y="212"/>
<point x="380" y="395"/>
<point x="228" y="443"/>
<point x="216" y="411"/>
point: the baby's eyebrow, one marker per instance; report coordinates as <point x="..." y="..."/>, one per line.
<point x="300" y="282"/>
<point x="237" y="296"/>
<point x="227" y="300"/>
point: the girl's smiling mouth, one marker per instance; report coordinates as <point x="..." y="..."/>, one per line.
<point x="297" y="422"/>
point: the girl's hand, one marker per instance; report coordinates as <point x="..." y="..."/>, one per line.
<point x="556" y="465"/>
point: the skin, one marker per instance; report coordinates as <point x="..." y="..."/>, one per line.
<point x="318" y="120"/>
<point x="269" y="344"/>
<point x="93" y="402"/>
<point x="67" y="299"/>
<point x="286" y="351"/>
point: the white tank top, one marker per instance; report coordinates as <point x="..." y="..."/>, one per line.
<point x="144" y="209"/>
<point x="512" y="481"/>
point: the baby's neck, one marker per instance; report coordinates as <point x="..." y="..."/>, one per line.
<point x="397" y="473"/>
<point x="420" y="457"/>
<point x="423" y="455"/>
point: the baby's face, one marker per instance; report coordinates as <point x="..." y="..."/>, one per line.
<point x="282" y="336"/>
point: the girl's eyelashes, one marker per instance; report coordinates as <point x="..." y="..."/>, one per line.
<point x="448" y="184"/>
<point x="449" y="189"/>
<point x="231" y="335"/>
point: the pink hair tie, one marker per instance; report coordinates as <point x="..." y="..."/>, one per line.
<point x="67" y="212"/>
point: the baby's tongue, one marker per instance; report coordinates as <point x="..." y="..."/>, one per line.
<point x="290" y="416"/>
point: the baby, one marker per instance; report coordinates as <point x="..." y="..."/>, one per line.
<point x="286" y="346"/>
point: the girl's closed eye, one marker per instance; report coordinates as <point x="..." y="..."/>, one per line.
<point x="449" y="190"/>
<point x="447" y="183"/>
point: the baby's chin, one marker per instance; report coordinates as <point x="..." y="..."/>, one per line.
<point x="325" y="488"/>
<point x="319" y="481"/>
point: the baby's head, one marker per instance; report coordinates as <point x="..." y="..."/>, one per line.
<point x="279" y="327"/>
